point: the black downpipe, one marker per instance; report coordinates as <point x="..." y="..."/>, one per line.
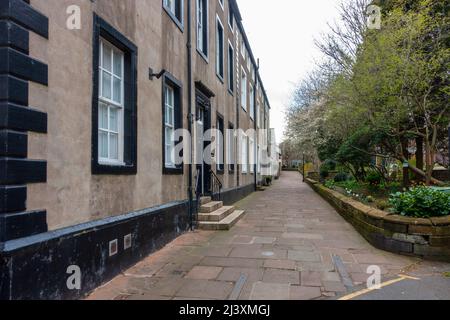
<point x="190" y="115"/>
<point x="255" y="121"/>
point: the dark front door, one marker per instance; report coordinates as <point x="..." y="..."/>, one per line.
<point x="203" y="124"/>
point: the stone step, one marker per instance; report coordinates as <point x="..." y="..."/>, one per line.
<point x="211" y="206"/>
<point x="205" y="200"/>
<point x="225" y="224"/>
<point x="217" y="215"/>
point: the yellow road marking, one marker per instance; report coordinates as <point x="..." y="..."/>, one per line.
<point x="408" y="277"/>
<point x="384" y="284"/>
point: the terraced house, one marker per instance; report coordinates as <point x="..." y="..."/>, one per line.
<point x="89" y="181"/>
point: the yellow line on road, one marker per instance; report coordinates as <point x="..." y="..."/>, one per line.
<point x="384" y="284"/>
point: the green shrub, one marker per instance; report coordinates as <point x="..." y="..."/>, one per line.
<point x="374" y="178"/>
<point x="330" y="184"/>
<point x="421" y="202"/>
<point x="267" y="181"/>
<point x="329" y="164"/>
<point x="341" y="177"/>
<point x="382" y="204"/>
<point x="324" y="173"/>
<point x="350" y="185"/>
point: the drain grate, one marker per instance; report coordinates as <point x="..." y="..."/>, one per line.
<point x="238" y="287"/>
<point x="340" y="267"/>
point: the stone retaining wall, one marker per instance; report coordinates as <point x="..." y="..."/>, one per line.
<point x="425" y="238"/>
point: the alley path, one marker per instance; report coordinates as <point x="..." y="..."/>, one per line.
<point x="288" y="246"/>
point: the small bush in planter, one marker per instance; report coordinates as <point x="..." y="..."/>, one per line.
<point x="327" y="166"/>
<point x="341" y="177"/>
<point x="421" y="202"/>
<point x="330" y="164"/>
<point x="324" y="173"/>
<point x="330" y="184"/>
<point x="382" y="204"/>
<point x="374" y="178"/>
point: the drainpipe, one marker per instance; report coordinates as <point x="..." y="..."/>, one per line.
<point x="255" y="105"/>
<point x="238" y="110"/>
<point x="190" y="114"/>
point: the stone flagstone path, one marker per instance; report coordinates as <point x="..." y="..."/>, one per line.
<point x="283" y="248"/>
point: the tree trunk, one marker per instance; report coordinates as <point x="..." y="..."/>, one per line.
<point x="423" y="174"/>
<point x="427" y="177"/>
<point x="419" y="153"/>
<point x="404" y="143"/>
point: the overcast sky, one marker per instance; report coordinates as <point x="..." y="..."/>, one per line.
<point x="282" y="34"/>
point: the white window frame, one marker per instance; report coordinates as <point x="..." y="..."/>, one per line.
<point x="222" y="4"/>
<point x="220" y="146"/>
<point x="111" y="104"/>
<point x="244" y="153"/>
<point x="172" y="10"/>
<point x="230" y="20"/>
<point x="219" y="23"/>
<point x="230" y="68"/>
<point x="252" y="101"/>
<point x="258" y="159"/>
<point x="200" y="29"/>
<point x="231" y="143"/>
<point x="257" y="114"/>
<point x="169" y="140"/>
<point x="244" y="89"/>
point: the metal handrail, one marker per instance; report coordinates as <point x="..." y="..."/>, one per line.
<point x="197" y="198"/>
<point x="216" y="188"/>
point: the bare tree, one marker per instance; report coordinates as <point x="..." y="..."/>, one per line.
<point x="341" y="43"/>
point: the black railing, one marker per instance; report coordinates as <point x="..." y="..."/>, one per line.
<point x="198" y="194"/>
<point x="216" y="187"/>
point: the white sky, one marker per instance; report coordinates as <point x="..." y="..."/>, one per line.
<point x="281" y="34"/>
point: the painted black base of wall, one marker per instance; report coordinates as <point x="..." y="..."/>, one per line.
<point x="232" y="196"/>
<point x="35" y="267"/>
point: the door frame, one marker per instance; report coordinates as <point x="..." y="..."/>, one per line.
<point x="203" y="108"/>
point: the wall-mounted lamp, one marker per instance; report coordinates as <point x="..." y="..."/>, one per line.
<point x="152" y="74"/>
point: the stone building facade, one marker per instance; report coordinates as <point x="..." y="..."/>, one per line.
<point x="88" y="111"/>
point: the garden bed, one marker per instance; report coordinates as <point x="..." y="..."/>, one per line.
<point x="427" y="238"/>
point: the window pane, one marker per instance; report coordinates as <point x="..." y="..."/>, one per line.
<point x="107" y="63"/>
<point x="166" y="95"/>
<point x="114" y="146"/>
<point x="169" y="136"/>
<point x="170" y="97"/>
<point x="106" y="92"/>
<point x="170" y="116"/>
<point x="169" y="143"/>
<point x="114" y="119"/>
<point x="103" y="116"/>
<point x="103" y="144"/>
<point x="169" y="156"/>
<point x="118" y="63"/>
<point x="117" y="90"/>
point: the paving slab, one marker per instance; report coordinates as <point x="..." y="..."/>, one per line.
<point x="284" y="246"/>
<point x="205" y="273"/>
<point x="270" y="291"/>
<point x="304" y="293"/>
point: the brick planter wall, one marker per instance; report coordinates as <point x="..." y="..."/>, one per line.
<point x="425" y="238"/>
